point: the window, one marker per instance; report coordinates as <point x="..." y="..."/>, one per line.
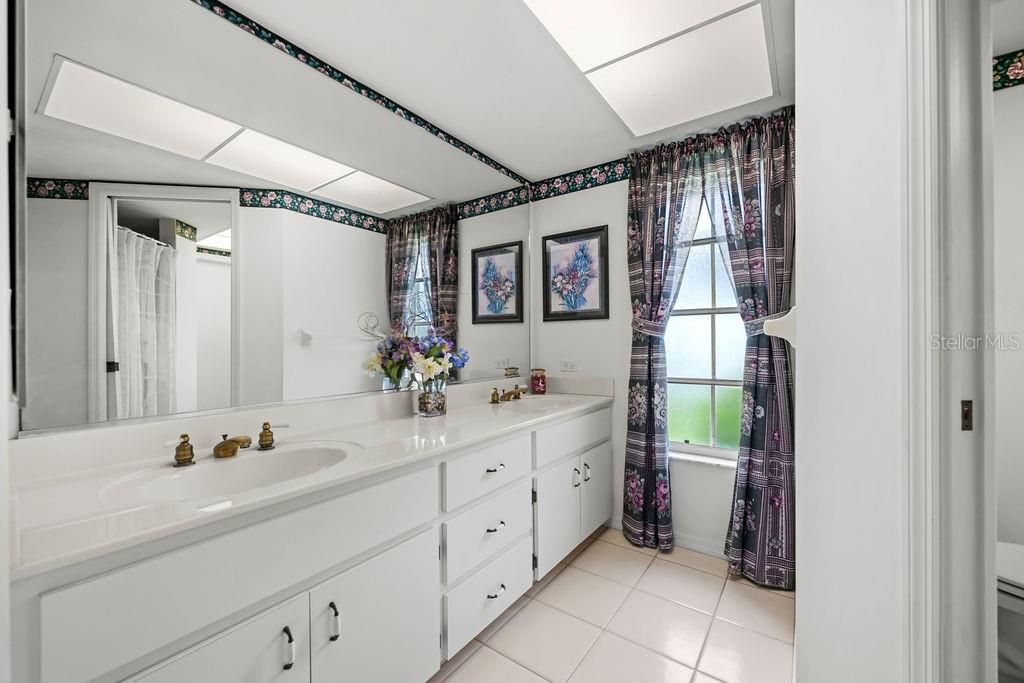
<point x="704" y="346"/>
<point x="418" y="318"/>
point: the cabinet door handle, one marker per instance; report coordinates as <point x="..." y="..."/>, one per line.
<point x="492" y="470"/>
<point x="289" y="660"/>
<point x="335" y="622"/>
<point x="501" y="525"/>
<point x="492" y="596"/>
<point x="586" y="472"/>
<point x="575" y="477"/>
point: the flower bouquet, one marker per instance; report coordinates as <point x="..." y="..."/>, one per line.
<point x="392" y="359"/>
<point x="497" y="287"/>
<point x="571" y="282"/>
<point x="432" y="361"/>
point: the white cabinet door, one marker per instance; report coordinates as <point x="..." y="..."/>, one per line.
<point x="556" y="528"/>
<point x="255" y="651"/>
<point x="596" y="492"/>
<point x="380" y="621"/>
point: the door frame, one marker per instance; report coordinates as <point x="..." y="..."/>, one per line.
<point x="950" y="577"/>
<point x="100" y="195"/>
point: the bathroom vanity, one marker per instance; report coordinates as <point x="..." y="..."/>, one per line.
<point x="365" y="548"/>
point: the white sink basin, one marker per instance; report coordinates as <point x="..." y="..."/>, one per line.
<point x="250" y="469"/>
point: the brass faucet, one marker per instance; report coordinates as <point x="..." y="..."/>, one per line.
<point x="228" y="448"/>
<point x="512" y="394"/>
<point x="266" y="437"/>
<point x="183" y="453"/>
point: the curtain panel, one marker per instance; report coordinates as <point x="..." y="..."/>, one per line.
<point x="665" y="190"/>
<point x="749" y="173"/>
<point x="434" y="234"/>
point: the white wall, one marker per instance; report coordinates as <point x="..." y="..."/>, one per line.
<point x="185" y="300"/>
<point x="701" y="492"/>
<point x="212" y="343"/>
<point x="1008" y="179"/>
<point x="56" y="267"/>
<point x="490" y="343"/>
<point x="331" y="274"/>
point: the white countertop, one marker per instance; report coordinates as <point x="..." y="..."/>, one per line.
<point x="69" y="519"/>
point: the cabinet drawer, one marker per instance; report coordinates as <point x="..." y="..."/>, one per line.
<point x="557" y="441"/>
<point x="470" y="609"/>
<point x="143" y="610"/>
<point x="491" y="467"/>
<point x="485" y="530"/>
<point x="255" y="651"/>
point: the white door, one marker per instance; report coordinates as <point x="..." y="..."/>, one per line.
<point x="556" y="527"/>
<point x="255" y="651"/>
<point x="380" y="621"/>
<point x="596" y="491"/>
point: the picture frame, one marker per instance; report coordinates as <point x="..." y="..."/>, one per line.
<point x="568" y="293"/>
<point x="498" y="283"/>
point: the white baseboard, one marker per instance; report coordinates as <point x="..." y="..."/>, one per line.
<point x="708" y="546"/>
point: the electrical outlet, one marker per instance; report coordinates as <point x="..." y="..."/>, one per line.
<point x="568" y="366"/>
<point x="501" y="363"/>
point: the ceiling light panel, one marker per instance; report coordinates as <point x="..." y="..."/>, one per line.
<point x="220" y="240"/>
<point x="93" y="99"/>
<point x="265" y="157"/>
<point x="594" y="32"/>
<point x="370" y="193"/>
<point x="716" y="67"/>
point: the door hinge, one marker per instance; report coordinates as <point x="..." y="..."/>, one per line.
<point x="534" y="561"/>
<point x="113" y="366"/>
<point x="534" y="496"/>
<point x="966" y="416"/>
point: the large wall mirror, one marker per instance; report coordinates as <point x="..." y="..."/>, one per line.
<point x="203" y="221"/>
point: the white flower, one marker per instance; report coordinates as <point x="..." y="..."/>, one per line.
<point x="425" y="366"/>
<point x="445" y="363"/>
<point x="373" y="366"/>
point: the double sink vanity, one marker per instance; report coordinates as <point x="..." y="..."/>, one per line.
<point x="369" y="545"/>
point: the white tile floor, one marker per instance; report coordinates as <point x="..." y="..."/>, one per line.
<point x="616" y="614"/>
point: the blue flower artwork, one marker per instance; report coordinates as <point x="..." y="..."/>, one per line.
<point x="575" y="274"/>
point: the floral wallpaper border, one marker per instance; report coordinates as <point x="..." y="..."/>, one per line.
<point x="1008" y="70"/>
<point x="494" y="202"/>
<point x="183" y="229"/>
<point x="283" y="199"/>
<point x="213" y="252"/>
<point x="267" y="36"/>
<point x="57" y="188"/>
<point x="574" y="181"/>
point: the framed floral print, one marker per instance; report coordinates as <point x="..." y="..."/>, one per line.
<point x="575" y="275"/>
<point x="498" y="283"/>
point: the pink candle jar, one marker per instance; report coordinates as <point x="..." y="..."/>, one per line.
<point x="538" y="381"/>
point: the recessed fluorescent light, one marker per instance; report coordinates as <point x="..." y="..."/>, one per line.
<point x="370" y="193"/>
<point x="95" y="100"/>
<point x="265" y="157"/>
<point x="594" y="32"/>
<point x="220" y="240"/>
<point x="716" y="67"/>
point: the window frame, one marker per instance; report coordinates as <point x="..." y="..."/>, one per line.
<point x="680" y="447"/>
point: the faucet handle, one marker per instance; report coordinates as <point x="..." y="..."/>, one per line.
<point x="266" y="438"/>
<point x="184" y="454"/>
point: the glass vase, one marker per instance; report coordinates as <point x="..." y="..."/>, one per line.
<point x="432" y="400"/>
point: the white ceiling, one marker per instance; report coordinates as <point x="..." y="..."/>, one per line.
<point x="487" y="72"/>
<point x="208" y="218"/>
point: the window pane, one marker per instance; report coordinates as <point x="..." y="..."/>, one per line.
<point x="689" y="413"/>
<point x="727" y="416"/>
<point x="695" y="290"/>
<point x="730" y="346"/>
<point x="688" y="346"/>
<point x="703" y="224"/>
<point x="725" y="295"/>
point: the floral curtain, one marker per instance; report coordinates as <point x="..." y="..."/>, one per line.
<point x="665" y="189"/>
<point x="749" y="175"/>
<point x="402" y="249"/>
<point x="443" y="248"/>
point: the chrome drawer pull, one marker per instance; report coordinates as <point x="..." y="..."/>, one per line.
<point x="492" y="596"/>
<point x="335" y="622"/>
<point x="289" y="661"/>
<point x="575" y="477"/>
<point x="586" y="472"/>
<point x="492" y="470"/>
<point x="501" y="525"/>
